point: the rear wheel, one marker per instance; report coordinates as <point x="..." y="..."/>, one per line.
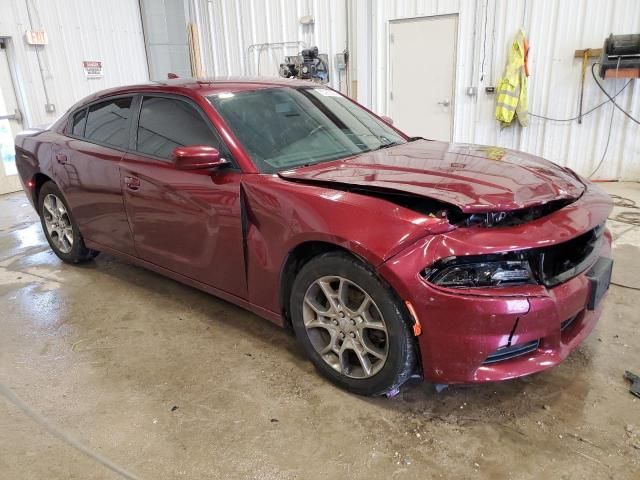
<point x="59" y="227"/>
<point x="351" y="325"/>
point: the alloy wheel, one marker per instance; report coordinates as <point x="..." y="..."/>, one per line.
<point x="345" y="327"/>
<point x="58" y="223"/>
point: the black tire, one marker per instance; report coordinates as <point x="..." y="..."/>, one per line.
<point x="401" y="354"/>
<point x="78" y="253"/>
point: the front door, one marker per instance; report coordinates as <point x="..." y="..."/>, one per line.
<point x="188" y="222"/>
<point x="422" y="59"/>
<point x="10" y="125"/>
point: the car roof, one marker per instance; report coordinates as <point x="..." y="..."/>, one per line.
<point x="207" y="86"/>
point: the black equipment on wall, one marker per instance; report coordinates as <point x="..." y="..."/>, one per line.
<point x="309" y="65"/>
<point x="620" y="57"/>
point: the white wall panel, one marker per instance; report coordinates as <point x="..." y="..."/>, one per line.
<point x="78" y="30"/>
<point x="227" y="28"/>
<point x="556" y="28"/>
<point x="111" y="32"/>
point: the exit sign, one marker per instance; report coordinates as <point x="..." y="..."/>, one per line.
<point x="36" y="37"/>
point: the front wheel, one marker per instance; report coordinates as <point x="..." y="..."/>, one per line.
<point x="351" y="325"/>
<point x="59" y="227"/>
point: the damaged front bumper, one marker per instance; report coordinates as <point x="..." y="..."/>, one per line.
<point x="480" y="339"/>
<point x="492" y="334"/>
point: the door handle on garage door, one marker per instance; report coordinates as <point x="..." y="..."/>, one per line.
<point x="61" y="158"/>
<point x="132" y="183"/>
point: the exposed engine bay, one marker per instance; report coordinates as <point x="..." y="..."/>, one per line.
<point x="454" y="215"/>
<point x="515" y="217"/>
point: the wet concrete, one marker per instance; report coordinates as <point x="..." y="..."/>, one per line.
<point x="168" y="382"/>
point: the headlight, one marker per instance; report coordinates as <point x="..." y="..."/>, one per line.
<point x="465" y="274"/>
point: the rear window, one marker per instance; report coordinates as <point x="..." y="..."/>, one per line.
<point x="77" y="124"/>
<point x="108" y="122"/>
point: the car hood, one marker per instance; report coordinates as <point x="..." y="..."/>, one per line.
<point x="474" y="178"/>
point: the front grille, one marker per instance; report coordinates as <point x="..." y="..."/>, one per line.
<point x="506" y="353"/>
<point x="561" y="262"/>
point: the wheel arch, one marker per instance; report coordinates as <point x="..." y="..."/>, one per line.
<point x="308" y="250"/>
<point x="305" y="251"/>
<point x="295" y="260"/>
<point x="38" y="180"/>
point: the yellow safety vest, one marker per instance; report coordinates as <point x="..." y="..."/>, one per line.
<point x="512" y="95"/>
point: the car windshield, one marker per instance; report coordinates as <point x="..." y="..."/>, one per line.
<point x="285" y="127"/>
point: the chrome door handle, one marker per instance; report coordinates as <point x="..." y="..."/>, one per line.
<point x="132" y="183"/>
<point x="445" y="103"/>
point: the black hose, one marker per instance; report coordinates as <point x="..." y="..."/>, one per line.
<point x="611" y="99"/>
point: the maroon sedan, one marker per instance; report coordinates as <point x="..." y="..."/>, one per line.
<point x="388" y="256"/>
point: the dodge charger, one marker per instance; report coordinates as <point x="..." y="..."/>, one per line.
<point x="387" y="256"/>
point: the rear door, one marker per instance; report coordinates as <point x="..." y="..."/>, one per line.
<point x="88" y="172"/>
<point x="185" y="221"/>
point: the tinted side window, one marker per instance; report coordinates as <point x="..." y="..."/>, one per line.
<point x="108" y="122"/>
<point x="167" y="123"/>
<point x="77" y="124"/>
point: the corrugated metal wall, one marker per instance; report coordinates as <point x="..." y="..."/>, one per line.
<point x="111" y="31"/>
<point x="556" y="28"/>
<point x="78" y="30"/>
<point x="229" y="28"/>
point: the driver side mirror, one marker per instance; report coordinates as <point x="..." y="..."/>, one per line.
<point x="388" y="120"/>
<point x="197" y="157"/>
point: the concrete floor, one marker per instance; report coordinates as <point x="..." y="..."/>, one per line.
<point x="168" y="382"/>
